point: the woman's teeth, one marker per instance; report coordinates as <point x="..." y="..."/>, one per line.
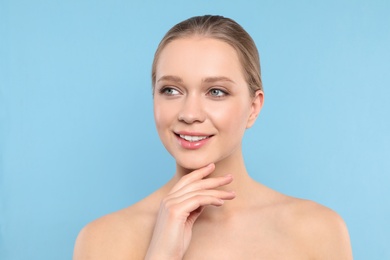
<point x="192" y="138"/>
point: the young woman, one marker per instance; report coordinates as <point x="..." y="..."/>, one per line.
<point x="207" y="91"/>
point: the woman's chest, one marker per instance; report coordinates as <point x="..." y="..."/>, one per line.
<point x="244" y="241"/>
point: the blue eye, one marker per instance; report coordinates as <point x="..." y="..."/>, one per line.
<point x="169" y="91"/>
<point x="217" y="92"/>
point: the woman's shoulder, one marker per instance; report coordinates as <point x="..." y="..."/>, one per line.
<point x="123" y="233"/>
<point x="318" y="228"/>
<point x="300" y="213"/>
<point x="309" y="216"/>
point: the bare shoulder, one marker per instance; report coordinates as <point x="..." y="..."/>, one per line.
<point x="319" y="229"/>
<point x="120" y="235"/>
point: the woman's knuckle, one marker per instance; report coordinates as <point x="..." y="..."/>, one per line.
<point x="174" y="210"/>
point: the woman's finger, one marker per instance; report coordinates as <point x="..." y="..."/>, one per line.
<point x="219" y="194"/>
<point x="193" y="176"/>
<point x="204" y="184"/>
<point x="189" y="205"/>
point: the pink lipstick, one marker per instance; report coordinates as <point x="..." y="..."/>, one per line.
<point x="192" y="141"/>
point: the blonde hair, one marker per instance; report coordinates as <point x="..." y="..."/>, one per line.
<point x="226" y="30"/>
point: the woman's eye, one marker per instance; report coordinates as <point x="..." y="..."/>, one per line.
<point x="169" y="91"/>
<point x="217" y="92"/>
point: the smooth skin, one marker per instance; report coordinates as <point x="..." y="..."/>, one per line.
<point x="211" y="208"/>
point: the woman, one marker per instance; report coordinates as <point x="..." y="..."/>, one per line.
<point x="207" y="91"/>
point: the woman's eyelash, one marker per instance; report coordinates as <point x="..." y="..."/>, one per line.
<point x="169" y="91"/>
<point x="218" y="93"/>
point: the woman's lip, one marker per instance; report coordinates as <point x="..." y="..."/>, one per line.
<point x="192" y="145"/>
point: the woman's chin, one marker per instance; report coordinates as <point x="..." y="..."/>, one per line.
<point x="192" y="165"/>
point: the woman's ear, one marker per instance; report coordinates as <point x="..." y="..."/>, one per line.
<point x="256" y="105"/>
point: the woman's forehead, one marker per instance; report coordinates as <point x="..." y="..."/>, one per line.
<point x="199" y="55"/>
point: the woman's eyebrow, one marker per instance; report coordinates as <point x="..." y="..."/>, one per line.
<point x="215" y="79"/>
<point x="170" y="78"/>
<point x="206" y="80"/>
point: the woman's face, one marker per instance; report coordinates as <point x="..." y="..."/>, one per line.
<point x="202" y="103"/>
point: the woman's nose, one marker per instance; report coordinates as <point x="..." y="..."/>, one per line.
<point x="192" y="110"/>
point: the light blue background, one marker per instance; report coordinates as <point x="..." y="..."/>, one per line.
<point x="77" y="136"/>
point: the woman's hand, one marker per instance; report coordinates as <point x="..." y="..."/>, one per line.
<point x="181" y="208"/>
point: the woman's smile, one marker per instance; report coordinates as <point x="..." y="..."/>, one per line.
<point x="192" y="141"/>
